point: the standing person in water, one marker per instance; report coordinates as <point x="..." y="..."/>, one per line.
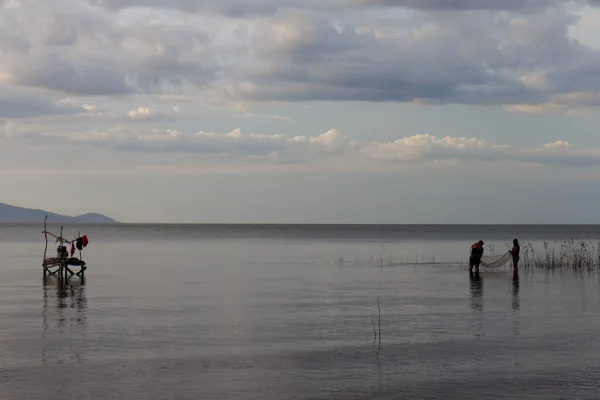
<point x="516" y="250"/>
<point x="475" y="258"/>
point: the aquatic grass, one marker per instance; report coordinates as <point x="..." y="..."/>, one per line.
<point x="559" y="255"/>
<point x="375" y="332"/>
<point x="566" y="254"/>
<point x="389" y="260"/>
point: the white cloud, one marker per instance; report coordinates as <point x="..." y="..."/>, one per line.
<point x="421" y="149"/>
<point x="576" y="103"/>
<point x="141" y="113"/>
<point x="558" y="145"/>
<point x="235" y="143"/>
<point x="587" y="29"/>
<point x="260" y="116"/>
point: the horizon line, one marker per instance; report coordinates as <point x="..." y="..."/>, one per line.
<point x="117" y="223"/>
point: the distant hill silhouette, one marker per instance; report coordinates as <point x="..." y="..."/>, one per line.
<point x="14" y="214"/>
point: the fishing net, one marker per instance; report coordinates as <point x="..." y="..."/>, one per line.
<point x="495" y="261"/>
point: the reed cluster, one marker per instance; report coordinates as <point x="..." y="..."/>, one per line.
<point x="568" y="254"/>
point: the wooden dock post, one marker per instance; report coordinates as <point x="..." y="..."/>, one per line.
<point x="45" y="248"/>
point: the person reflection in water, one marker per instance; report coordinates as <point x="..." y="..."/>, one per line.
<point x="476" y="292"/>
<point x="515" y="292"/>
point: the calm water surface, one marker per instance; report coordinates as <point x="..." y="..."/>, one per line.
<point x="259" y="312"/>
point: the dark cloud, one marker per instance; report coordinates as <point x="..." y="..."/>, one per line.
<point x="458" y="60"/>
<point x="454" y="5"/>
<point x="231" y="8"/>
<point x="241" y="8"/>
<point x="85" y="52"/>
<point x="20" y="106"/>
<point x="79" y="77"/>
<point x="301" y="55"/>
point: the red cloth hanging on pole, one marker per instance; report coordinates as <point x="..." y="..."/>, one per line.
<point x="81" y="242"/>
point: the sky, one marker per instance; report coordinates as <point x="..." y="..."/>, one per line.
<point x="302" y="111"/>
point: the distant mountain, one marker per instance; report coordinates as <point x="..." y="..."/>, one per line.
<point x="15" y="214"/>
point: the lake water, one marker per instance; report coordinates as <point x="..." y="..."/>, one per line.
<point x="289" y="312"/>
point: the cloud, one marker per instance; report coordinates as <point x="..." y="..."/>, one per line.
<point x="32" y="123"/>
<point x="19" y="104"/>
<point x="260" y="116"/>
<point x="244" y="8"/>
<point x="276" y="148"/>
<point x="576" y="103"/>
<point x="231" y="8"/>
<point x="478" y="59"/>
<point x="140" y="113"/>
<point x="517" y="53"/>
<point x="146" y="114"/>
<point x="70" y="48"/>
<point x="422" y="148"/>
<point x="62" y="46"/>
<point x="427" y="147"/>
<point x="25" y="108"/>
<point x="333" y="145"/>
<point x="454" y="5"/>
<point x="90" y="77"/>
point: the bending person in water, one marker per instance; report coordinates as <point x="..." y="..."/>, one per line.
<point x="516" y="249"/>
<point x="475" y="258"/>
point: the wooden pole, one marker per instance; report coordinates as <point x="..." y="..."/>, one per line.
<point x="59" y="238"/>
<point x="374" y="331"/>
<point x="63" y="265"/>
<point x="46" y="236"/>
<point x="46" y="247"/>
<point x="379" y="314"/>
<point x="78" y="236"/>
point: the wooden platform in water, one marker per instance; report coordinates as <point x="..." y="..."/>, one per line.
<point x="53" y="265"/>
<point x="60" y="264"/>
<point x="54" y="261"/>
